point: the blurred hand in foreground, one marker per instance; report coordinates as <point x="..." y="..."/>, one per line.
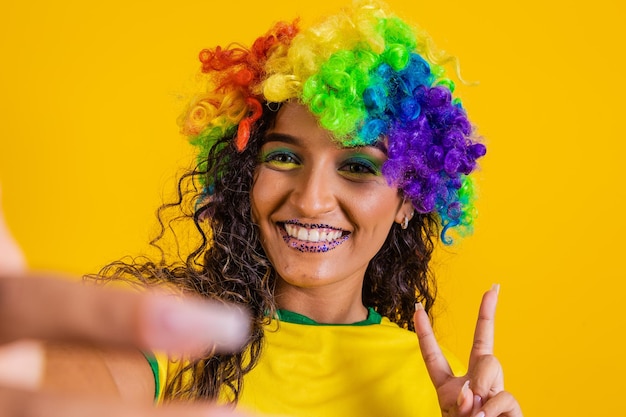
<point x="36" y="308"/>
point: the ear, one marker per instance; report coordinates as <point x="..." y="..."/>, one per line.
<point x="405" y="210"/>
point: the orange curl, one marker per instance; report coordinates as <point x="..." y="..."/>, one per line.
<point x="219" y="59"/>
<point x="235" y="73"/>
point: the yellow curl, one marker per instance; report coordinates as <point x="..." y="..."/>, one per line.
<point x="282" y="87"/>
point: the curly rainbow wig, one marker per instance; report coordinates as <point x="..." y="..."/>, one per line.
<point x="367" y="75"/>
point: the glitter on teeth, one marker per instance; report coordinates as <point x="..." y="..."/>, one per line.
<point x="316" y="238"/>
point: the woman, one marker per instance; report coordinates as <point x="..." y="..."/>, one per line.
<point x="330" y="160"/>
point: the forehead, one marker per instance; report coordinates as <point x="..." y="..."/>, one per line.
<point x="294" y="117"/>
<point x="296" y="120"/>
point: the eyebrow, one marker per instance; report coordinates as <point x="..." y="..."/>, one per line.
<point x="380" y="146"/>
<point x="293" y="140"/>
<point x="281" y="137"/>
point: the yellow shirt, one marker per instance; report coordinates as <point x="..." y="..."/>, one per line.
<point x="373" y="368"/>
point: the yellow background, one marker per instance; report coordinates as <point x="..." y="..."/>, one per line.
<point x="89" y="147"/>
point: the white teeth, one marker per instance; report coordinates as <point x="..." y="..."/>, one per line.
<point x="312" y="235"/>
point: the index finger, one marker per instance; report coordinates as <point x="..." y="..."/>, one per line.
<point x="436" y="363"/>
<point x="54" y="309"/>
<point x="484" y="333"/>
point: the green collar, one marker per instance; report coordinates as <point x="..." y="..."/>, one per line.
<point x="290" y="317"/>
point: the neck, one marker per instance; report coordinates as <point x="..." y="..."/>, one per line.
<point x="329" y="304"/>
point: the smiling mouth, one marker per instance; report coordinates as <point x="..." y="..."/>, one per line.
<point x="316" y="238"/>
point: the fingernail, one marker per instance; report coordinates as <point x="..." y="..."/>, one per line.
<point x="22" y="364"/>
<point x="419" y="306"/>
<point x="481" y="414"/>
<point x="191" y="326"/>
<point x="463" y="393"/>
<point x="496" y="288"/>
<point x="478" y="403"/>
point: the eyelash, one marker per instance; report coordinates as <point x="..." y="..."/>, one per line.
<point x="367" y="167"/>
<point x="280" y="158"/>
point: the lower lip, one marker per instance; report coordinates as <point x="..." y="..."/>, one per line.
<point x="312" y="247"/>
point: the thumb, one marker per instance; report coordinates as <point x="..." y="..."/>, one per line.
<point x="465" y="400"/>
<point x="12" y="259"/>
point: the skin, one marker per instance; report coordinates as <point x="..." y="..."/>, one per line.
<point x="306" y="179"/>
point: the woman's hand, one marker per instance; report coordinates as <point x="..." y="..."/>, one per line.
<point x="480" y="393"/>
<point x="37" y="307"/>
<point x="44" y="308"/>
<point x="50" y="309"/>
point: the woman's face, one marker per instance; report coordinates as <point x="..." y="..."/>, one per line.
<point x="323" y="211"/>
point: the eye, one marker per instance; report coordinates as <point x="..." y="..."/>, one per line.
<point x="280" y="159"/>
<point x="360" y="167"/>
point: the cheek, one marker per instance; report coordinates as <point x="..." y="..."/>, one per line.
<point x="262" y="195"/>
<point x="380" y="206"/>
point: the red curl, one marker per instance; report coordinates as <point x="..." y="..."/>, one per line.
<point x="243" y="131"/>
<point x="243" y="135"/>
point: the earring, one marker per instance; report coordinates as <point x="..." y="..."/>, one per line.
<point x="405" y="222"/>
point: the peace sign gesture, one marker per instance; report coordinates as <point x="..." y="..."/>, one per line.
<point x="479" y="393"/>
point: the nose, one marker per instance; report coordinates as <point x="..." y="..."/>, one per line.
<point x="314" y="193"/>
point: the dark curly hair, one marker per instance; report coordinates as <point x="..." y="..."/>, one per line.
<point x="229" y="263"/>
